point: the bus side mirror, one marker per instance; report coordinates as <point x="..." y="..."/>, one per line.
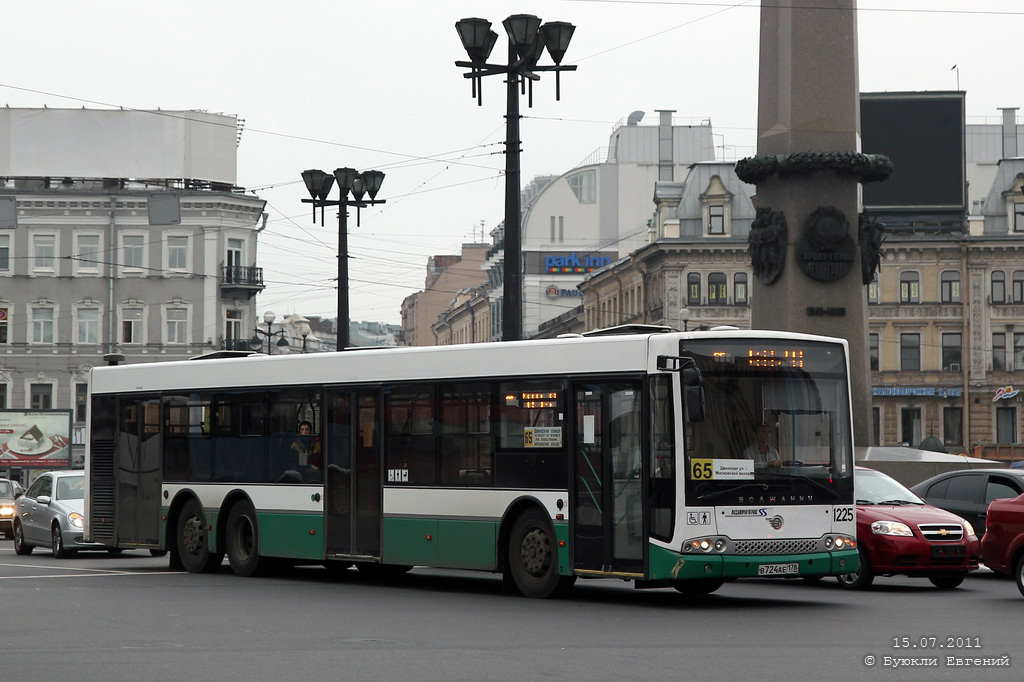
<point x="693" y="394"/>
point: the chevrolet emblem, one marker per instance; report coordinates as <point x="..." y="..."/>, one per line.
<point x="943" y="531"/>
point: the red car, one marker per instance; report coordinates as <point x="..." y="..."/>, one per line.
<point x="1003" y="545"/>
<point x="899" y="534"/>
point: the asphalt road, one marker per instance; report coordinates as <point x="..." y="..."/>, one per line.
<point x="100" y="617"/>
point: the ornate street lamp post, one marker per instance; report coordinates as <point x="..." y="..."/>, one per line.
<point x="319" y="184"/>
<point x="256" y="342"/>
<point x="527" y="38"/>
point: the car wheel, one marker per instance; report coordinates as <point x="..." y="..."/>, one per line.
<point x="21" y="548"/>
<point x="862" y="579"/>
<point x="947" y="582"/>
<point x="57" y="542"/>
<point x="1018" y="573"/>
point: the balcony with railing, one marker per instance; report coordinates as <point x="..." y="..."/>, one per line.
<point x="241" y="278"/>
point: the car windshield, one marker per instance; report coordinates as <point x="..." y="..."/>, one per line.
<point x="874" y="487"/>
<point x="71" y="488"/>
<point x="6" y="489"/>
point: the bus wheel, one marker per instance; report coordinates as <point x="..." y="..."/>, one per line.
<point x="697" y="587"/>
<point x="243" y="540"/>
<point x="193" y="548"/>
<point x="533" y="557"/>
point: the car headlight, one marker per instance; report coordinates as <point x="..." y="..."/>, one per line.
<point x="6" y="511"/>
<point x="891" y="528"/>
<point x="76" y="519"/>
<point x="969" y="528"/>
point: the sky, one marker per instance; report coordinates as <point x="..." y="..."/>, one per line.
<point x="373" y="85"/>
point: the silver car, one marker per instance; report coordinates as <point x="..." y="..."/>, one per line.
<point x="9" y="492"/>
<point x="52" y="513"/>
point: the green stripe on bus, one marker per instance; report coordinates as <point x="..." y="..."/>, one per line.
<point x="297" y="536"/>
<point x="672" y="565"/>
<point x="439" y="542"/>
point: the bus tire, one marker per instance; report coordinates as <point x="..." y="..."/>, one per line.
<point x="193" y="540"/>
<point x="697" y="587"/>
<point x="533" y="557"/>
<point x="242" y="540"/>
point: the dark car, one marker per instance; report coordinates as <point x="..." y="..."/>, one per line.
<point x="1002" y="548"/>
<point x="899" y="534"/>
<point x="9" y="492"/>
<point x="968" y="492"/>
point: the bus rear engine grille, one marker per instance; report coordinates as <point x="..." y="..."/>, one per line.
<point x="757" y="547"/>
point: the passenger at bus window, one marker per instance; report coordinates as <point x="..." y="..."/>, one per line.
<point x="308" y="448"/>
<point x="761" y="450"/>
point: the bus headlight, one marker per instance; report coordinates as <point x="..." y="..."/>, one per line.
<point x="834" y="542"/>
<point x="706" y="545"/>
<point x="891" y="528"/>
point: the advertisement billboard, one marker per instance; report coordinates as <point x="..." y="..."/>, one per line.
<point x="35" y="439"/>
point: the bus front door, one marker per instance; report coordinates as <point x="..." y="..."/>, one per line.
<point x="607" y="494"/>
<point x="353" y="488"/>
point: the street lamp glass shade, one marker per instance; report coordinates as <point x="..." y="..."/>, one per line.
<point x="282" y="342"/>
<point x="345" y="178"/>
<point x="318" y="183"/>
<point x="372" y="180"/>
<point x="522" y="31"/>
<point x="256" y="342"/>
<point x="302" y="327"/>
<point x="557" y="35"/>
<point x="358" y="187"/>
<point x="476" y="37"/>
<point x="269" y="317"/>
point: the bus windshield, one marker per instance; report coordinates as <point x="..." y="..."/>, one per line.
<point x="778" y="424"/>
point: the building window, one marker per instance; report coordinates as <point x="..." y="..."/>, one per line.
<point x="44" y="252"/>
<point x="584" y="186"/>
<point x="693" y="288"/>
<point x="910" y="352"/>
<point x="5" y="253"/>
<point x="42" y="325"/>
<point x="740" y="288"/>
<point x="716" y="219"/>
<point x="952" y="426"/>
<point x="177" y="253"/>
<point x="4" y="316"/>
<point x="1018" y="286"/>
<point x="41" y="396"/>
<point x="1018" y="217"/>
<point x="87" y="253"/>
<point x="132" y="247"/>
<point x="910" y="288"/>
<point x="233" y="327"/>
<point x="177" y="332"/>
<point x="951" y="352"/>
<point x="910" y="426"/>
<point x="998" y="352"/>
<point x="1018" y="351"/>
<point x="876" y="426"/>
<point x="131" y="325"/>
<point x="718" y="288"/>
<point x="3" y="396"/>
<point x="1006" y="425"/>
<point x="998" y="286"/>
<point x="873" y="351"/>
<point x="949" y="286"/>
<point x="873" y="290"/>
<point x="81" y="402"/>
<point x="88" y="325"/>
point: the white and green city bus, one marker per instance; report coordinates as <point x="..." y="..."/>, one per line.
<point x="605" y="456"/>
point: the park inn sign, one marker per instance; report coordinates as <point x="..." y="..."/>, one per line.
<point x="565" y="262"/>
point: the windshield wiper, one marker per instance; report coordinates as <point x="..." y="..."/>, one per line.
<point x="864" y="502"/>
<point x="718" y="493"/>
<point x="899" y="503"/>
<point x="807" y="479"/>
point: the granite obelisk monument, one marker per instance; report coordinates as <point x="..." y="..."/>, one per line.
<point x="812" y="252"/>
